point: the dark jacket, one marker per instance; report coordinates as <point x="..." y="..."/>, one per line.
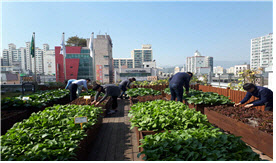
<point x="181" y="79"/>
<point x="125" y="83"/>
<point x="108" y="90"/>
<point x="264" y="95"/>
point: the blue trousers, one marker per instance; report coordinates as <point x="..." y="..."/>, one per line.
<point x="176" y="92"/>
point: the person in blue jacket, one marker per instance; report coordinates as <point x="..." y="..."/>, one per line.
<point x="73" y="87"/>
<point x="124" y="84"/>
<point x="176" y="83"/>
<point x="265" y="96"/>
<point x="69" y="82"/>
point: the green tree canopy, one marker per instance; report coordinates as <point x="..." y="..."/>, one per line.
<point x="76" y="41"/>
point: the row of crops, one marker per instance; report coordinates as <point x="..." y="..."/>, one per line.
<point x="48" y="135"/>
<point x="188" y="135"/>
<point x="38" y="100"/>
<point x="174" y="119"/>
<point x="169" y="130"/>
<point x="221" y="104"/>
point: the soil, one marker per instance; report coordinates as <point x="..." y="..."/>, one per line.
<point x="263" y="120"/>
<point x="146" y="98"/>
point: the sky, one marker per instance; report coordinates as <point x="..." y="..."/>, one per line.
<point x="175" y="30"/>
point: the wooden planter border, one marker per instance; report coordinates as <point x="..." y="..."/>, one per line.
<point x="25" y="113"/>
<point x="84" y="146"/>
<point x="251" y="135"/>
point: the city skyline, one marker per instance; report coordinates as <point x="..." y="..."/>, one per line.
<point x="222" y="30"/>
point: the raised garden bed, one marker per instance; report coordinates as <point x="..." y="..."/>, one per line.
<point x="85" y="144"/>
<point x="194" y="145"/>
<point x="106" y="104"/>
<point x="10" y="116"/>
<point x="244" y="124"/>
<point x="52" y="135"/>
<point x="141" y="134"/>
<point x="134" y="100"/>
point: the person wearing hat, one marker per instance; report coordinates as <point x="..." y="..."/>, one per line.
<point x="265" y="96"/>
<point x="109" y="90"/>
<point x="124" y="84"/>
<point x="176" y="84"/>
<point x="73" y="87"/>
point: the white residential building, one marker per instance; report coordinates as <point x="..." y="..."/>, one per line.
<point x="11" y="48"/>
<point x="261" y="52"/>
<point x="219" y="70"/>
<point x="39" y="61"/>
<point x="141" y="55"/>
<point x="240" y="68"/>
<point x="230" y="70"/>
<point x="49" y="62"/>
<point x="123" y="62"/>
<point x="21" y="60"/>
<point x="5" y="57"/>
<point x="197" y="61"/>
<point x="183" y="69"/>
<point x="176" y="69"/>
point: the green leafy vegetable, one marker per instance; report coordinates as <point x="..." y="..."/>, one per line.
<point x="196" y="145"/>
<point x="134" y="92"/>
<point x="48" y="135"/>
<point x="159" y="115"/>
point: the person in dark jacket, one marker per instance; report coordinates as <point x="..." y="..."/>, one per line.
<point x="124" y="84"/>
<point x="109" y="90"/>
<point x="265" y="96"/>
<point x="176" y="83"/>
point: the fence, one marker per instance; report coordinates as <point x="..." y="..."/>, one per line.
<point x="234" y="95"/>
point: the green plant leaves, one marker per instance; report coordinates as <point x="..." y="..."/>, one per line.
<point x="48" y="135"/>
<point x="38" y="100"/>
<point x="160" y="115"/>
<point x="134" y="92"/>
<point x="201" y="144"/>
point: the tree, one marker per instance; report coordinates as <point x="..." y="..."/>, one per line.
<point x="246" y="76"/>
<point x="76" y="41"/>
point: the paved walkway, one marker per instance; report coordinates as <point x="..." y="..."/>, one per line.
<point x="115" y="141"/>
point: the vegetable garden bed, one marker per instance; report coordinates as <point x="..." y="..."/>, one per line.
<point x="85" y="144"/>
<point x="144" y="99"/>
<point x="105" y="105"/>
<point x="22" y="110"/>
<point x="52" y="135"/>
<point x="143" y="95"/>
<point x="242" y="124"/>
<point x="194" y="145"/>
<point x="199" y="100"/>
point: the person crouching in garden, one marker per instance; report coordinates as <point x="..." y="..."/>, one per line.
<point x="109" y="90"/>
<point x="69" y="82"/>
<point x="265" y="96"/>
<point x="176" y="84"/>
<point x="73" y="87"/>
<point x="124" y="84"/>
